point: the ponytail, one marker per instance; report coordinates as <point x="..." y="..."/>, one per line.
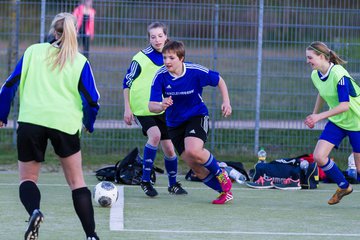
<point x="334" y="58"/>
<point x="320" y="48"/>
<point x="63" y="28"/>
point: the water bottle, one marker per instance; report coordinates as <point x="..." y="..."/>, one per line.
<point x="262" y="155"/>
<point x="304" y="165"/>
<point x="352" y="171"/>
<point x="236" y="175"/>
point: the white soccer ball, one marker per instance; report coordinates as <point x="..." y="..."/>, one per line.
<point x="105" y="194"/>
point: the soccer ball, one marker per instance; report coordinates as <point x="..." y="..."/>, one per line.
<point x="105" y="194"/>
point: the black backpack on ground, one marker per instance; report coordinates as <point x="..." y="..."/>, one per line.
<point x="126" y="171"/>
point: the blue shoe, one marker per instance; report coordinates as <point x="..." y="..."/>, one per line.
<point x="32" y="232"/>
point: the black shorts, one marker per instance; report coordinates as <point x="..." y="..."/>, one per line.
<point x="32" y="142"/>
<point x="194" y="127"/>
<point x="146" y="122"/>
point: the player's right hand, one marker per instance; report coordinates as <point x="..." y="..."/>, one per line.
<point x="1" y="124"/>
<point x="166" y="102"/>
<point x="128" y="117"/>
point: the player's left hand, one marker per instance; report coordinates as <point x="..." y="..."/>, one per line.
<point x="1" y="124"/>
<point x="226" y="109"/>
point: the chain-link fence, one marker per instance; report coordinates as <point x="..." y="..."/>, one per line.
<point x="257" y="46"/>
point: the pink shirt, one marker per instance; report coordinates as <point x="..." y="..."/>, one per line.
<point x="79" y="14"/>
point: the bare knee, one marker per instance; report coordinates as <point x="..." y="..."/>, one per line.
<point x="168" y="148"/>
<point x="192" y="156"/>
<point x="154" y="136"/>
<point x="154" y="140"/>
<point x="72" y="168"/>
<point x="320" y="159"/>
<point x="29" y="171"/>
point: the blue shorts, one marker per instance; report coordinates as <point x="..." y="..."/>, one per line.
<point x="334" y="134"/>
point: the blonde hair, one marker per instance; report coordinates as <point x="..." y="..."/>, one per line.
<point x="63" y="28"/>
<point x="320" y="48"/>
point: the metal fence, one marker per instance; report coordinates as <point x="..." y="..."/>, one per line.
<point x="257" y="46"/>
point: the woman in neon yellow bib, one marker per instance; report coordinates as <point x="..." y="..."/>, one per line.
<point x="136" y="89"/>
<point x="58" y="96"/>
<point x="338" y="89"/>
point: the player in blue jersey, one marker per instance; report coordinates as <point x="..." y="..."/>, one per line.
<point x="136" y="85"/>
<point x="57" y="96"/>
<point x="338" y="89"/>
<point x="177" y="89"/>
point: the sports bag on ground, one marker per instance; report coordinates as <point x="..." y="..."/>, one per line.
<point x="126" y="171"/>
<point x="289" y="167"/>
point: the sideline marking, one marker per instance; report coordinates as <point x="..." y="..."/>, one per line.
<point x="241" y="188"/>
<point x="117" y="212"/>
<point x="247" y="233"/>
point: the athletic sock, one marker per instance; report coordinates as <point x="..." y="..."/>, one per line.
<point x="333" y="172"/>
<point x="148" y="161"/>
<point x="84" y="209"/>
<point x="212" y="182"/>
<point x="212" y="165"/>
<point x="171" y="164"/>
<point x="30" y="196"/>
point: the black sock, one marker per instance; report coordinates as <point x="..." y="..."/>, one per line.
<point x="84" y="209"/>
<point x="30" y="196"/>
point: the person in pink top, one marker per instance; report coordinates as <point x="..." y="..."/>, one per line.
<point x="85" y="15"/>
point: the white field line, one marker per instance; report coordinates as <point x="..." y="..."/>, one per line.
<point x="247" y="233"/>
<point x="193" y="188"/>
<point x="117" y="212"/>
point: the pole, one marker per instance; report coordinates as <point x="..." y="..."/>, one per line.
<point x="42" y="21"/>
<point x="14" y="55"/>
<point x="216" y="41"/>
<point x="258" y="79"/>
